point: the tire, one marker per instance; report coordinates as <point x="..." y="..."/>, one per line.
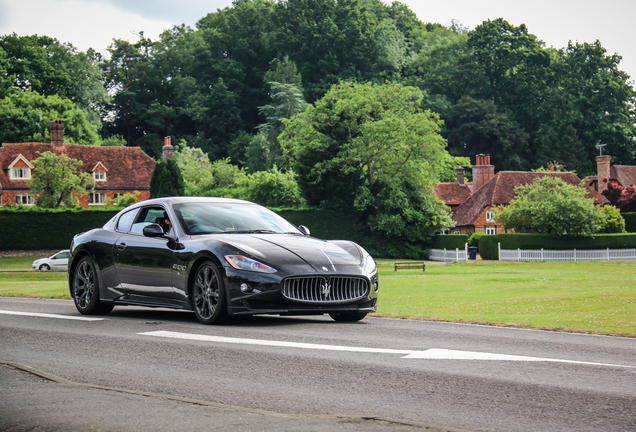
<point x="45" y="267"/>
<point x="86" y="289"/>
<point x="347" y="316"/>
<point x="208" y="294"/>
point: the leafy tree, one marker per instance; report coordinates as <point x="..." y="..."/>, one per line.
<point x="26" y="116"/>
<point x="591" y="101"/>
<point x="449" y="168"/>
<point x="166" y="180"/>
<point x="56" y="180"/>
<point x="476" y="126"/>
<point x="549" y="205"/>
<point x="612" y="222"/>
<point x="623" y="198"/>
<point x="48" y="67"/>
<point x="123" y="200"/>
<point x="264" y="152"/>
<point x="273" y="188"/>
<point x="196" y="169"/>
<point x="371" y="150"/>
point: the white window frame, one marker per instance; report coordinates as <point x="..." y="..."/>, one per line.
<point x="96" y="199"/>
<point x="490" y="216"/>
<point x="20" y="173"/>
<point x="491" y="230"/>
<point x="24" y="197"/>
<point x="99" y="175"/>
<point x="457" y="232"/>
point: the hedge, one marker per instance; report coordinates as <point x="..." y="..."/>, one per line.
<point x="450" y="241"/>
<point x="33" y="229"/>
<point x="488" y="245"/>
<point x="630" y="222"/>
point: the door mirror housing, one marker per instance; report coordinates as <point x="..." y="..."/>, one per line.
<point x="153" y="230"/>
<point x="303" y="229"/>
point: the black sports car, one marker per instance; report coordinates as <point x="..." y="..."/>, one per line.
<point x="218" y="257"/>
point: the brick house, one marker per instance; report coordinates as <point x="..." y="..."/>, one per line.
<point x="454" y="194"/>
<point x="116" y="170"/>
<point x="624" y="175"/>
<point x="490" y="190"/>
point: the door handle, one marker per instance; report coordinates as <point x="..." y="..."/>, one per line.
<point x="121" y="246"/>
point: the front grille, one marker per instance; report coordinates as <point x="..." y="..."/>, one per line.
<point x="318" y="289"/>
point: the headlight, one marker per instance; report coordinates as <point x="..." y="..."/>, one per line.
<point x="368" y="262"/>
<point x="241" y="262"/>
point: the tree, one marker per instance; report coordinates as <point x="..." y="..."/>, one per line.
<point x="26" y="116"/>
<point x="48" y="67"/>
<point x="123" y="200"/>
<point x="549" y="205"/>
<point x="196" y="169"/>
<point x="371" y="150"/>
<point x="166" y="180"/>
<point x="56" y="180"/>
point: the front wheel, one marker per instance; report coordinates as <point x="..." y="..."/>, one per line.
<point x="45" y="267"/>
<point x="208" y="294"/>
<point x="86" y="289"/>
<point x="347" y="316"/>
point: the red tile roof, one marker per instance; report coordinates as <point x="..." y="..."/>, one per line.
<point x="500" y="190"/>
<point x="624" y="174"/>
<point x="453" y="194"/>
<point x="128" y="168"/>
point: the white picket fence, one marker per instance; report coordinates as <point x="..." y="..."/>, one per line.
<point x="567" y="255"/>
<point x="449" y="255"/>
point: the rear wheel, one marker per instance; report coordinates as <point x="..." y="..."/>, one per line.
<point x="347" y="316"/>
<point x="86" y="289"/>
<point x="208" y="294"/>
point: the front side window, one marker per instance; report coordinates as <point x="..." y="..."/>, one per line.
<point x="96" y="199"/>
<point x="24" y="199"/>
<point x="20" y="173"/>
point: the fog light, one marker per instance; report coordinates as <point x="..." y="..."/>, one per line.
<point x="245" y="287"/>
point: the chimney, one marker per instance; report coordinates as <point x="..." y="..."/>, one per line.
<point x="168" y="150"/>
<point x="57" y="133"/>
<point x="602" y="172"/>
<point x="460" y="175"/>
<point x="482" y="171"/>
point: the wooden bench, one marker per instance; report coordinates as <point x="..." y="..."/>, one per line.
<point x="410" y="265"/>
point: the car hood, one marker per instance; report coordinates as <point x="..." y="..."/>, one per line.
<point x="283" y="246"/>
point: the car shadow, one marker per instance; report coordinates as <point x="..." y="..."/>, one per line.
<point x="160" y="316"/>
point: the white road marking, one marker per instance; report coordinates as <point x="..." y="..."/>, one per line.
<point x="430" y="354"/>
<point x="45" y="315"/>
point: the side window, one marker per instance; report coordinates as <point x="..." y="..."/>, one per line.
<point x="147" y="216"/>
<point x="126" y="220"/>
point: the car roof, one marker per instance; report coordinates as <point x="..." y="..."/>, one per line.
<point x="191" y="199"/>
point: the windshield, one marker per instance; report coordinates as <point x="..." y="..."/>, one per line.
<point x="210" y="218"/>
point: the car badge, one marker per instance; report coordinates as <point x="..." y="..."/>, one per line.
<point x="325" y="269"/>
<point x="326" y="289"/>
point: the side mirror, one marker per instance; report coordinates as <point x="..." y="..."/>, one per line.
<point x="303" y="229"/>
<point x="153" y="230"/>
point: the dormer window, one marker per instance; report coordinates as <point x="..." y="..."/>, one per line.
<point x="490" y="216"/>
<point x="99" y="172"/>
<point x="20" y="168"/>
<point x="99" y="176"/>
<point x="20" y="173"/>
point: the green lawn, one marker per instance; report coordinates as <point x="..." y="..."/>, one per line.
<point x="590" y="297"/>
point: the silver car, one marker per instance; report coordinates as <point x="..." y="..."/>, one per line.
<point x="59" y="261"/>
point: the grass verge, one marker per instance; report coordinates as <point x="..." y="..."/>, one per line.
<point x="587" y="297"/>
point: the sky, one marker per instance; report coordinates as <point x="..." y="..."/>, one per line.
<point x="94" y="23"/>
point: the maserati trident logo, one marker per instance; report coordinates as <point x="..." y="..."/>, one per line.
<point x="325" y="289"/>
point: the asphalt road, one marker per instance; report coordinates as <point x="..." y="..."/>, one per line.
<point x="160" y="370"/>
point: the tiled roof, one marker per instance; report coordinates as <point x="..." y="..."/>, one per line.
<point x="453" y="193"/>
<point x="624" y="174"/>
<point x="128" y="167"/>
<point x="500" y="190"/>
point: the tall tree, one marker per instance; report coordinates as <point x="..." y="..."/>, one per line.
<point x="166" y="180"/>
<point x="56" y="180"/>
<point x="26" y="116"/>
<point x="371" y="150"/>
